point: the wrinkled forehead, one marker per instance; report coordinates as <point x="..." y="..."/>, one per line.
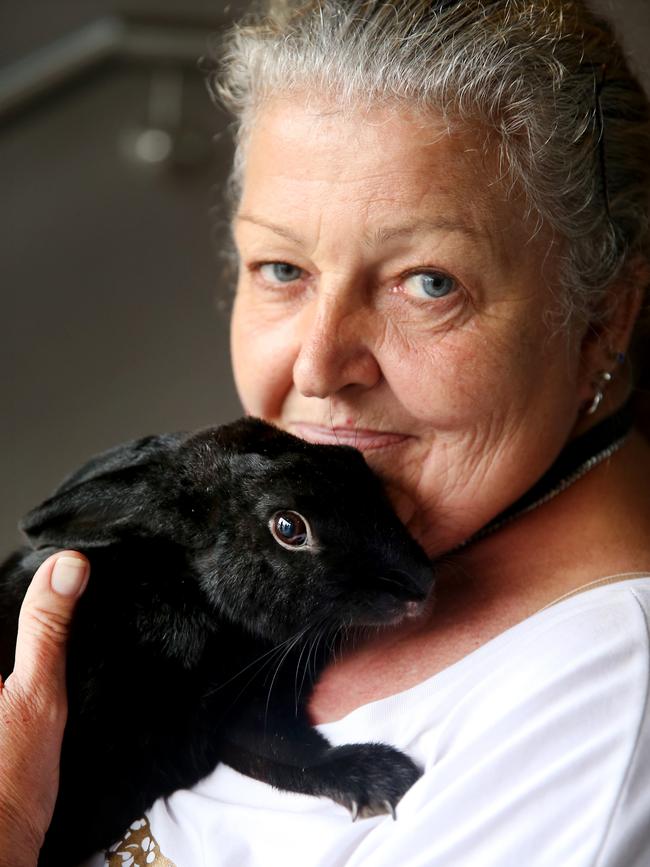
<point x="372" y="149"/>
<point x="316" y="174"/>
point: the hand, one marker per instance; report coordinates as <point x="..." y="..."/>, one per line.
<point x="33" y="708"/>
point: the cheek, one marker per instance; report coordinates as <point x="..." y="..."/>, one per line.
<point x="262" y="357"/>
<point x="480" y="371"/>
<point x="453" y="377"/>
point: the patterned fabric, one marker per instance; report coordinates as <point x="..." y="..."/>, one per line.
<point x="138" y="848"/>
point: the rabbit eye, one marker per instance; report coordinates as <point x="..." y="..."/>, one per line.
<point x="290" y="529"/>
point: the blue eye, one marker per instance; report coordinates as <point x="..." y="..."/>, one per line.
<point x="280" y="272"/>
<point x="429" y="284"/>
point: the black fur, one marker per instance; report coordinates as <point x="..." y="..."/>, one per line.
<point x="199" y="635"/>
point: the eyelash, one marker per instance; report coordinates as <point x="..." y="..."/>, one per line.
<point x="397" y="288"/>
<point x="427" y="272"/>
<point x="259" y="266"/>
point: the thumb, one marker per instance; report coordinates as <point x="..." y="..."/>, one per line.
<point x="44" y="621"/>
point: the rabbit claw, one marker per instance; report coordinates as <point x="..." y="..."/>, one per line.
<point x="367" y="811"/>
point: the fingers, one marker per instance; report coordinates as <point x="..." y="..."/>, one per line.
<point x="44" y="622"/>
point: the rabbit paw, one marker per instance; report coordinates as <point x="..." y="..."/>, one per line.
<point x="370" y="779"/>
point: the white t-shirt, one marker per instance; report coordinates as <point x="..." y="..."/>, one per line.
<point x="535" y="749"/>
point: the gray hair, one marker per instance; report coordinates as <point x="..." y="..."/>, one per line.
<point x="545" y="79"/>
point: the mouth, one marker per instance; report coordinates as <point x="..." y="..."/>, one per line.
<point x="363" y="439"/>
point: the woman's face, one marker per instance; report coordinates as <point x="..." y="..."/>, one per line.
<point x="391" y="297"/>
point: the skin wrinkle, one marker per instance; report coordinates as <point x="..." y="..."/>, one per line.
<point x="463" y="468"/>
<point x="377" y="237"/>
<point x="460" y="375"/>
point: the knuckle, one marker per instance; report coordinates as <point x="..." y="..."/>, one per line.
<point x="50" y="711"/>
<point x="47" y="626"/>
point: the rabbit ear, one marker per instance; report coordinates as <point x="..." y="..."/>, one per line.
<point x="126" y="455"/>
<point x="116" y="494"/>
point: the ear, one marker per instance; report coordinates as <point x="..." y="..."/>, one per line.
<point x="115" y="495"/>
<point x="606" y="341"/>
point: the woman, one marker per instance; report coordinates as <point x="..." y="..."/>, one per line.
<point x="441" y="216"/>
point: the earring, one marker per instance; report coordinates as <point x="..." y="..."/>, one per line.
<point x="603" y="380"/>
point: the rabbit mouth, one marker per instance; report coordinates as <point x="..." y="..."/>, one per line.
<point x="390" y="611"/>
<point x="411" y="609"/>
<point x="393" y="597"/>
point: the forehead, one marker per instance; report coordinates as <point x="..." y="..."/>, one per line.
<point x="385" y="167"/>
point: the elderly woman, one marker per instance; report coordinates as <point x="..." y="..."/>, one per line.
<point x="442" y="223"/>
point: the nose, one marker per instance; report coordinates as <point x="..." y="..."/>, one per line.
<point x="336" y="346"/>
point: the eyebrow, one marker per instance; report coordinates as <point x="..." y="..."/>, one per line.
<point x="378" y="236"/>
<point x="388" y="233"/>
<point x="278" y="230"/>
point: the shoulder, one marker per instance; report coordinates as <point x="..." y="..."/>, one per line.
<point x="569" y="665"/>
<point x="536" y="747"/>
<point x="607" y="624"/>
<point x="600" y="637"/>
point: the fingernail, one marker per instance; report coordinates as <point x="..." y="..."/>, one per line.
<point x="69" y="576"/>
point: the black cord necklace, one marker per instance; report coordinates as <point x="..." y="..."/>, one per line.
<point x="574" y="461"/>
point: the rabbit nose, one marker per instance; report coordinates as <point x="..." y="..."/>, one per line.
<point x="414" y="584"/>
<point x="403" y="587"/>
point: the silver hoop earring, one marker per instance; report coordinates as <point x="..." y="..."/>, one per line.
<point x="604" y="378"/>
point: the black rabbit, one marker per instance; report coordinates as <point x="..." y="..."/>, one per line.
<point x="224" y="564"/>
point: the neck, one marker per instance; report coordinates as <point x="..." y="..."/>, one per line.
<point x="597" y="526"/>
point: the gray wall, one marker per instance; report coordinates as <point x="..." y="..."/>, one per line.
<point x="111" y="273"/>
<point x="111" y="276"/>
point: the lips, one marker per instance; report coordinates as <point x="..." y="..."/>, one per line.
<point x="364" y="439"/>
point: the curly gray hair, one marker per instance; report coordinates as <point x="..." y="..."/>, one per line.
<point x="544" y="78"/>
